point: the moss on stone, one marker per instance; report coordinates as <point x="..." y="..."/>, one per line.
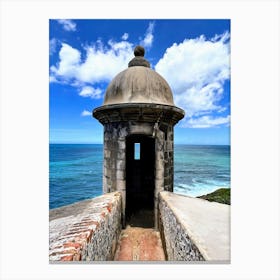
<point x="221" y="195"/>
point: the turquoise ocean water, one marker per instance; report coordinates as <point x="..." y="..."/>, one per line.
<point x="75" y="171"/>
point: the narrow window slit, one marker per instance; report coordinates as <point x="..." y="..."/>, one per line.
<point x="136" y="151"/>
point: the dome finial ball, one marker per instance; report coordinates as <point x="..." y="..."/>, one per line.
<point x="139" y="51"/>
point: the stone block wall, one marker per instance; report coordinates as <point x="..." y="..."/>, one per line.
<point x="114" y="156"/>
<point x="86" y="231"/>
<point x="177" y="243"/>
<point x="114" y="169"/>
<point x="168" y="159"/>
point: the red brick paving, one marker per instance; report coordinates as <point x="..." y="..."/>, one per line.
<point x="139" y="244"/>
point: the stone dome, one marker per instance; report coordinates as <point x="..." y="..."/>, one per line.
<point x="138" y="84"/>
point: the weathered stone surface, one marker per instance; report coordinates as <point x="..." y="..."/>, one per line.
<point x="121" y="144"/>
<point x="120" y="174"/>
<point x="194" y="229"/>
<point x="86" y="230"/>
<point x="121" y="184"/>
<point x="138" y="84"/>
<point x="141" y="128"/>
<point x="137" y="112"/>
<point x="121" y="164"/>
<point x="139" y="61"/>
<point x="139" y="51"/>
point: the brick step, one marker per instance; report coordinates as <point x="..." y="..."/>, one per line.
<point x="139" y="244"/>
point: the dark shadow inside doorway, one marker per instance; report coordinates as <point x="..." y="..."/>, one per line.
<point x="140" y="180"/>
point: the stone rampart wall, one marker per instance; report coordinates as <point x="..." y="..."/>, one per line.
<point x="86" y="231"/>
<point x="178" y="244"/>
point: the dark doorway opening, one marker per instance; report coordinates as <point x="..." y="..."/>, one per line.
<point x="140" y="180"/>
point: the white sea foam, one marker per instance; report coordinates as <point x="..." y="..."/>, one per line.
<point x="197" y="189"/>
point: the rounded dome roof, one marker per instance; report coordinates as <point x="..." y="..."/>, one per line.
<point x="138" y="84"/>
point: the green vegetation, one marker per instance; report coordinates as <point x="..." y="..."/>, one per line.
<point x="220" y="195"/>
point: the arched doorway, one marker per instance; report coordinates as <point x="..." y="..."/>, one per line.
<point x="140" y="180"/>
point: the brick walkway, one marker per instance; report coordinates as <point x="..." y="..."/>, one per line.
<point x="139" y="244"/>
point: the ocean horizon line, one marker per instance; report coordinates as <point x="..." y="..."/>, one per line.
<point x="188" y="144"/>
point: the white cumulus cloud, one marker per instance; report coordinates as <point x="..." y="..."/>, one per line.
<point x="53" y="45"/>
<point x="149" y="37"/>
<point x="95" y="63"/>
<point x="52" y="79"/>
<point x="70" y="59"/>
<point x="100" y="63"/>
<point x="67" y="24"/>
<point x="207" y="121"/>
<point x="85" y="113"/>
<point x="88" y="91"/>
<point x="196" y="70"/>
<point x="125" y="36"/>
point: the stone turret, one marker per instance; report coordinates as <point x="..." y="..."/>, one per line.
<point x="138" y="115"/>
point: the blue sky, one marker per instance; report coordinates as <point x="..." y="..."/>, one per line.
<point x="192" y="55"/>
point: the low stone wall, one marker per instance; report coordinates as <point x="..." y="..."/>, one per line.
<point x="177" y="243"/>
<point x="194" y="229"/>
<point x="86" y="231"/>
